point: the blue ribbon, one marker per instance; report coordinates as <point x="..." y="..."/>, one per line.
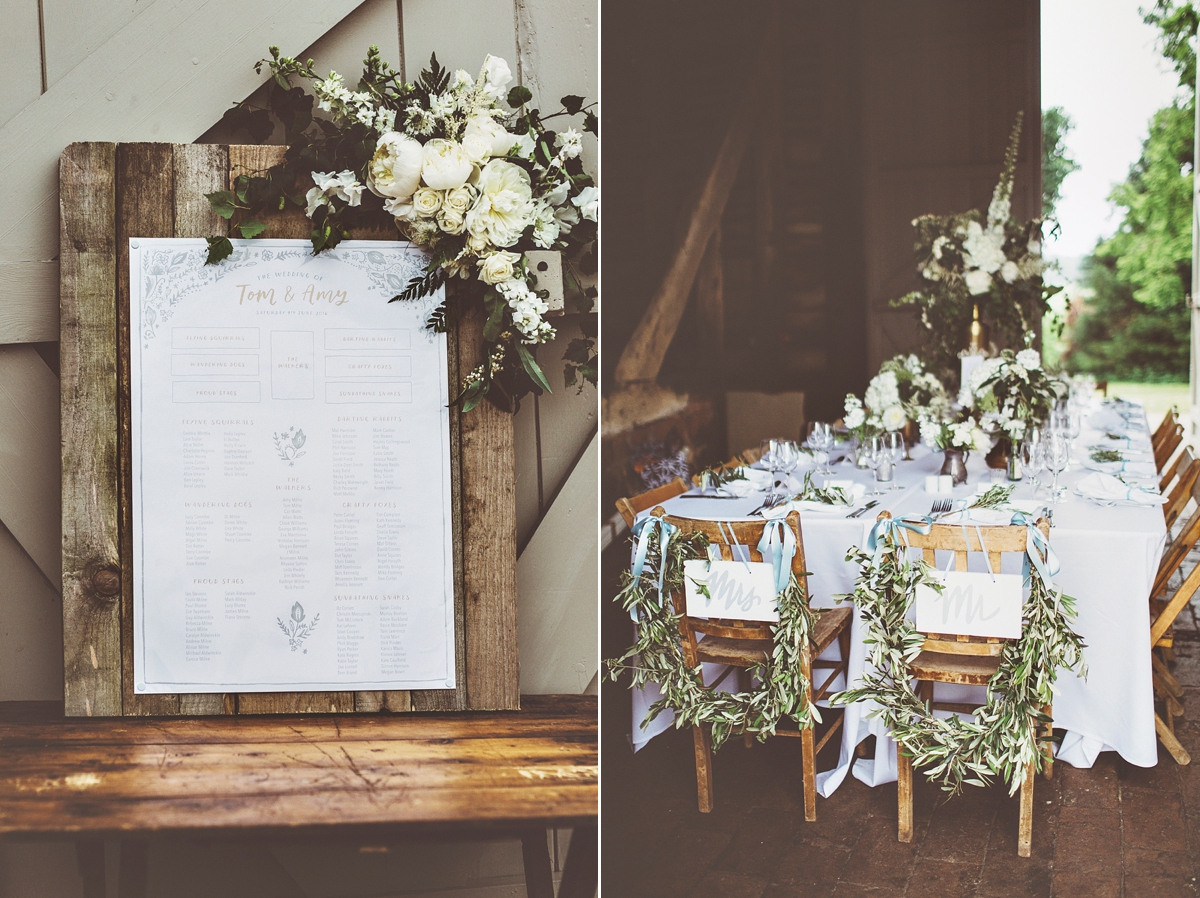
<point x="889" y="529"/>
<point x="642" y="531"/>
<point x="1037" y="550"/>
<point x="780" y="542"/>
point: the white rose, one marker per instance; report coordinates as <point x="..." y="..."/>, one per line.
<point x="451" y="221"/>
<point x="316" y="199"/>
<point x="426" y="201"/>
<point x="400" y="208"/>
<point x="497" y="267"/>
<point x="444" y="164"/>
<point x="395" y="168"/>
<point x="588" y="202"/>
<point x="484" y="126"/>
<point x="476" y="244"/>
<point x="477" y="148"/>
<point x="1009" y="271"/>
<point x="496" y="76"/>
<point x="978" y="281"/>
<point x="505" y="206"/>
<point x="460" y="198"/>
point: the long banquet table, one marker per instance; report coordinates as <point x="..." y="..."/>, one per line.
<point x="1109" y="556"/>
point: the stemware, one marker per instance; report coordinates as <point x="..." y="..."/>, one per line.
<point x="1033" y="457"/>
<point x="771" y="458"/>
<point x="898" y="449"/>
<point x="821" y="442"/>
<point x="876" y="455"/>
<point x="1058" y="457"/>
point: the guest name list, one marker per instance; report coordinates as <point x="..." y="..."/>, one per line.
<point x="291" y="471"/>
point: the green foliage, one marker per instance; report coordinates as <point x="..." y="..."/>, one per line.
<point x="657" y="654"/>
<point x="1134" y="323"/>
<point x="1056" y="164"/>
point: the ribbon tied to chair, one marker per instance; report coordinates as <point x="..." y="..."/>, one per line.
<point x="642" y="531"/>
<point x="892" y="529"/>
<point x="779" y="540"/>
<point x="1037" y="550"/>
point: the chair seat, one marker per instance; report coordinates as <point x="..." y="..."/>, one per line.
<point x="749" y="652"/>
<point x="970" y="670"/>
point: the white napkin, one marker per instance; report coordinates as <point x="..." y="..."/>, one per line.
<point x="1127" y="446"/>
<point x="756" y="482"/>
<point x="1107" y="489"/>
<point x="1134" y="468"/>
<point x="854" y="492"/>
<point x="1109" y="421"/>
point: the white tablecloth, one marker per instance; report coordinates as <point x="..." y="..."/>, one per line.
<point x="1109" y="557"/>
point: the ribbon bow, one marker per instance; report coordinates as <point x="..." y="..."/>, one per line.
<point x="889" y="529"/>
<point x="1037" y="550"/>
<point x="780" y="542"/>
<point x="642" y="531"/>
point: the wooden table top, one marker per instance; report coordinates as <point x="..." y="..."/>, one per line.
<point x="424" y="772"/>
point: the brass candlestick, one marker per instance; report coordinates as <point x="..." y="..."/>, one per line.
<point x="977" y="344"/>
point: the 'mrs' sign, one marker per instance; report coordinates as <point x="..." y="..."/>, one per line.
<point x="737" y="590"/>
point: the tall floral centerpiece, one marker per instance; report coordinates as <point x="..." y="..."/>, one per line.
<point x="977" y="259"/>
<point x="1009" y="394"/>
<point x="921" y="395"/>
<point x="459" y="164"/>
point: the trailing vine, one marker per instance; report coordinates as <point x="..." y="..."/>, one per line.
<point x="657" y="657"/>
<point x="1001" y="738"/>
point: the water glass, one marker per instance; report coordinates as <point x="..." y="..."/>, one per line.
<point x="895" y="443"/>
<point x="821" y="442"/>
<point x="878" y="458"/>
<point x="1058" y="458"/>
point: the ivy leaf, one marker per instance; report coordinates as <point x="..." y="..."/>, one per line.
<point x="519" y="96"/>
<point x="571" y="103"/>
<point x="218" y="248"/>
<point x="532" y="369"/>
<point x="223" y="203"/>
<point x="491" y="330"/>
<point x="252" y="228"/>
<point x="591" y="123"/>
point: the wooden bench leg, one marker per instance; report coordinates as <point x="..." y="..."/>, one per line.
<point x="581" y="870"/>
<point x="89" y="855"/>
<point x="704" y="783"/>
<point x="131" y="875"/>
<point x="539" y="882"/>
<point x="904" y="795"/>
<point x="1025" y="829"/>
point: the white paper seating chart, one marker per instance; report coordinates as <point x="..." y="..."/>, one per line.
<point x="291" y="471"/>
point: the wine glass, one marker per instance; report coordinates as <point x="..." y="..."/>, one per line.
<point x="897" y="448"/>
<point x="877" y="456"/>
<point x="1033" y="457"/>
<point x="1058" y="458"/>
<point x="820" y="440"/>
<point x="768" y="457"/>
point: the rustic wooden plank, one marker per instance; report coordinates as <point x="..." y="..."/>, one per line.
<point x="145" y="208"/>
<point x="556" y="579"/>
<point x="90" y="554"/>
<point x="489" y="541"/>
<point x="29" y="311"/>
<point x="288" y="224"/>
<point x="142" y="776"/>
<point x="200" y="169"/>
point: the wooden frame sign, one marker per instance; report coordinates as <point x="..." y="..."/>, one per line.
<point x="268" y="505"/>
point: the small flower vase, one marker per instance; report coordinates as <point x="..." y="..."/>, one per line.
<point x="955" y="464"/>
<point x="860" y="458"/>
<point x="1015" y="471"/>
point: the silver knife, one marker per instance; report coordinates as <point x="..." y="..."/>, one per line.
<point x="859" y="511"/>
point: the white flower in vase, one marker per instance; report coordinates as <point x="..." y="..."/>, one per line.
<point x="854" y="416"/>
<point x="978" y="281"/>
<point x="893" y="418"/>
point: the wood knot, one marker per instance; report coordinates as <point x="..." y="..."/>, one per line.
<point x="106" y="582"/>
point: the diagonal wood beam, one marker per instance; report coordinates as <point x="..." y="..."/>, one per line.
<point x="643" y="355"/>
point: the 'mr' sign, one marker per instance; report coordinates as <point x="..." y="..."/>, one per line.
<point x="971" y="605"/>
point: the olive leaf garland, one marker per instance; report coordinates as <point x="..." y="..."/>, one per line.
<point x="656" y="655"/>
<point x="472" y="181"/>
<point x="1001" y="738"/>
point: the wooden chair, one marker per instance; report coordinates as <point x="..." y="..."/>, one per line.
<point x="1162" y="618"/>
<point x="633" y="506"/>
<point x="742" y="645"/>
<point x="1180" y="493"/>
<point x="966" y="660"/>
<point x="1166" y="439"/>
<point x="1170" y="419"/>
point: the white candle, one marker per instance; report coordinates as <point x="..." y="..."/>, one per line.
<point x="945" y="483"/>
<point x="931" y="484"/>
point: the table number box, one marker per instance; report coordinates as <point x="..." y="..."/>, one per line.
<point x="972" y="604"/>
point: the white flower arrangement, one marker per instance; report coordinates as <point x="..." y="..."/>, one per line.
<point x="904" y="391"/>
<point x="462" y="167"/>
<point x="1010" y="392"/>
<point x="963" y="434"/>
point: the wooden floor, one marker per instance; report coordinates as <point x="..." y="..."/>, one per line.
<point x="1114" y="831"/>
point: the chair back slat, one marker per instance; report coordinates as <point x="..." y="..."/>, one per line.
<point x="1170" y="419"/>
<point x="1165" y="449"/>
<point x="1179" y="548"/>
<point x="1171" y="610"/>
<point x="631" y="507"/>
<point x="1181" y="492"/>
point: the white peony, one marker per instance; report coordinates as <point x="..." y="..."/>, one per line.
<point x="588" y="202"/>
<point x="444" y="164"/>
<point x="893" y="418"/>
<point x="395" y="168"/>
<point x="426" y="201"/>
<point x="505" y="206"/>
<point x="495" y="77"/>
<point x="477" y="148"/>
<point x="1030" y="359"/>
<point x="978" y="281"/>
<point x="485" y="127"/>
<point x="497" y="267"/>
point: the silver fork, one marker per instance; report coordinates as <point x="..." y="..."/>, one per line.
<point x="941" y="506"/>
